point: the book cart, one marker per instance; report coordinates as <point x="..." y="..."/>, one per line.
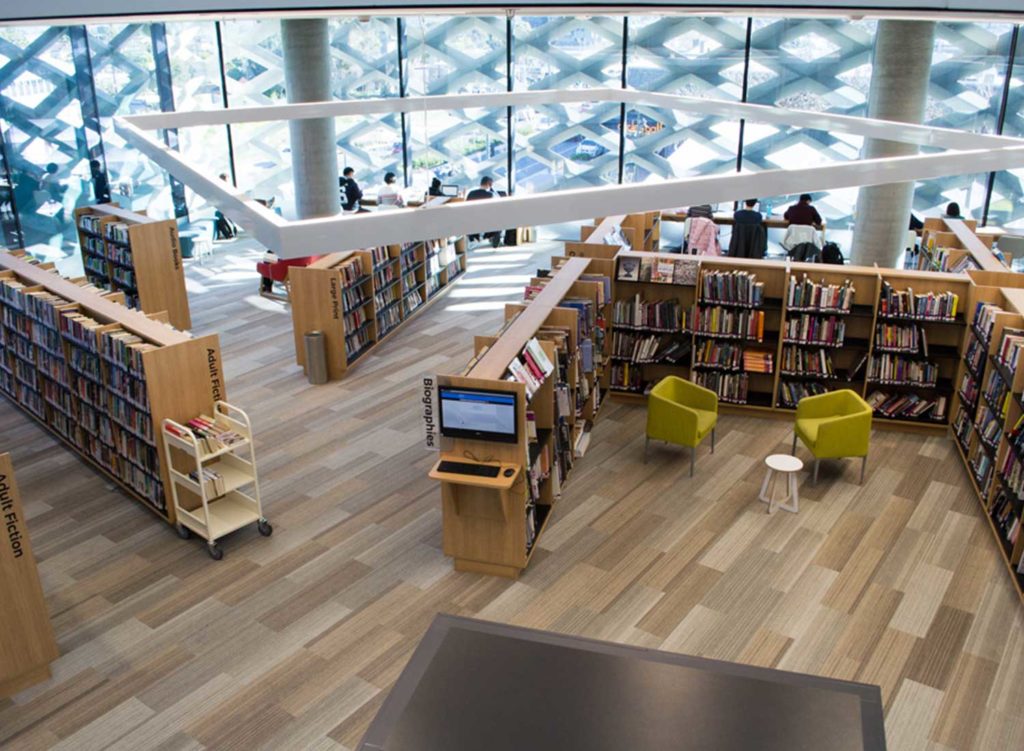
<point x="140" y="256"/>
<point x="357" y="298"/>
<point x="215" y="461"/>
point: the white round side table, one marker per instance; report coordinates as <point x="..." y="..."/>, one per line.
<point x="787" y="466"/>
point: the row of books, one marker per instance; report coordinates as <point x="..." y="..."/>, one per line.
<point x="1010" y="347"/>
<point x="811" y="329"/>
<point x="356" y="320"/>
<point x="968" y="390"/>
<point x="117" y="231"/>
<point x="650" y="348"/>
<point x="213" y="480"/>
<point x="531" y="367"/>
<point x="962" y="426"/>
<point x="211" y="435"/>
<point x="356" y="341"/>
<point x="975" y="355"/>
<point x="907" y="406"/>
<point x="982" y="465"/>
<point x="1006" y="518"/>
<point x="624" y="376"/>
<point x="387" y="319"/>
<point x="1015" y="435"/>
<point x="989" y="427"/>
<point x="732" y="288"/>
<point x="91" y="223"/>
<point x="730" y="387"/>
<point x="800" y="361"/>
<point x="997" y="392"/>
<point x="820" y="296"/>
<point x="120" y="254"/>
<point x="898" y="370"/>
<point x="680" y="271"/>
<point x="351" y="271"/>
<point x="903" y="338"/>
<point x="385" y="296"/>
<point x="714" y="354"/>
<point x="940" y="306"/>
<point x="353" y="298"/>
<point x="758" y="361"/>
<point x="1011" y="472"/>
<point x="662" y="315"/>
<point x="985" y="318"/>
<point x="380" y="255"/>
<point x="730" y="324"/>
<point x="791" y="392"/>
<point x="412" y="300"/>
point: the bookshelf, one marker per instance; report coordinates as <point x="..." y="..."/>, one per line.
<point x="126" y="251"/>
<point x="492" y="525"/>
<point x="27" y="643"/>
<point x="101" y="376"/>
<point x="358" y="298"/>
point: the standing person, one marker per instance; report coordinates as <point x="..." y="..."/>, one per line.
<point x="351" y="193"/>
<point x="803" y="213"/>
<point x="100" y="184"/>
<point x="749" y="214"/>
<point x="388" y="193"/>
<point x="223" y="228"/>
<point x="486" y="190"/>
<point x="49" y="183"/>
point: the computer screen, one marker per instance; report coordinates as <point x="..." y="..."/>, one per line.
<point x="477" y="414"/>
<point x="450" y="190"/>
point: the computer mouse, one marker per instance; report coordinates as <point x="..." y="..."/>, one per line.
<point x="509" y="472"/>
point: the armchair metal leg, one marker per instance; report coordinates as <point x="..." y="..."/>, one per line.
<point x="647" y="441"/>
<point x="863" y="464"/>
<point x="693" y="453"/>
<point x="793" y="452"/>
<point x="816" y="471"/>
<point x="712" y="440"/>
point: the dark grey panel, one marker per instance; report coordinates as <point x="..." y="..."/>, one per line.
<point x="473" y="685"/>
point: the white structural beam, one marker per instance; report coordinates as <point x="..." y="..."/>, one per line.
<point x="966" y="154"/>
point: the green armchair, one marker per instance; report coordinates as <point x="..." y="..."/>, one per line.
<point x="834" y="425"/>
<point x="682" y="413"/>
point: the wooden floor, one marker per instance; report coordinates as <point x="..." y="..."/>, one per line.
<point x="292" y="642"/>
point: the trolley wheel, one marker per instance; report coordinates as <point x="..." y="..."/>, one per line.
<point x="183" y="532"/>
<point x="215" y="552"/>
<point x="264" y="528"/>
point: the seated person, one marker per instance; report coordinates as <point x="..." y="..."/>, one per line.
<point x="749" y="214"/>
<point x="486" y="190"/>
<point x="388" y="194"/>
<point x="953" y="211"/>
<point x="351" y="193"/>
<point x="435" y="188"/>
<point x="803" y="213"/>
<point x="703" y="210"/>
<point x="915" y="223"/>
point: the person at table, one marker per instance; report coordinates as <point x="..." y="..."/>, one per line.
<point x="100" y="184"/>
<point x="351" y="193"/>
<point x="224" y="228"/>
<point x="803" y="213"/>
<point x="388" y="193"/>
<point x="748" y="214"/>
<point x="435" y="188"/>
<point x="485" y="191"/>
<point x="704" y="211"/>
<point x="953" y="211"/>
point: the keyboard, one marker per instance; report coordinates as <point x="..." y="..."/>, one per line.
<point x="466" y="468"/>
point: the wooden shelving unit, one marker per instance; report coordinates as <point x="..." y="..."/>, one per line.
<point x="492" y="526"/>
<point x="357" y="309"/>
<point x="100" y="376"/>
<point x="140" y="256"/>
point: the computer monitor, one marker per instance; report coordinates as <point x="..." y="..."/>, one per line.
<point x="478" y="414"/>
<point x="450" y="190"/>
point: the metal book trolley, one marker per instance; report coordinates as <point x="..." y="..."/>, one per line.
<point x="208" y="465"/>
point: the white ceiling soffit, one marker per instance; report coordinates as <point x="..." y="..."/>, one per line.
<point x="73" y="11"/>
<point x="965" y="153"/>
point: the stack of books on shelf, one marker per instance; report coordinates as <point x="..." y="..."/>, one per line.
<point x="739" y="288"/>
<point x="907" y="406"/>
<point x="717" y="355"/>
<point x="757" y="361"/>
<point x="809" y="296"/>
<point x="968" y="391"/>
<point x="985" y="318"/>
<point x="211" y="436"/>
<point x="897" y="338"/>
<point x="726" y="323"/>
<point x="932" y="306"/>
<point x="997" y="393"/>
<point x="730" y="387"/>
<point x="626" y="377"/>
<point x="657" y="315"/>
<point x="974" y="357"/>
<point x="650" y="348"/>
<point x="982" y="464"/>
<point x="797" y="361"/>
<point x="1010" y="347"/>
<point x="815" y="330"/>
<point x="1006" y="518"/>
<point x="962" y="428"/>
<point x="790" y="392"/>
<point x="900" y="371"/>
<point x="1011" y="472"/>
<point x="989" y="428"/>
<point x="531" y="367"/>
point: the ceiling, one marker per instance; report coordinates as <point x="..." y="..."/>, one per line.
<point x="72" y="10"/>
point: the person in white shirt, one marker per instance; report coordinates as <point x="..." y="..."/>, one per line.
<point x="388" y="193"/>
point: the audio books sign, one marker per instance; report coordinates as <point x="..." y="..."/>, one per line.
<point x="429" y="404"/>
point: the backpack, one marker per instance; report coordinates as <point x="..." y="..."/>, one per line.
<point x="830" y="253"/>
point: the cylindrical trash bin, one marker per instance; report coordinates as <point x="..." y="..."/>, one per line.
<point x="316" y="357"/>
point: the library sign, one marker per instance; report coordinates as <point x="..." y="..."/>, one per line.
<point x="429" y="413"/>
<point x="9" y="516"/>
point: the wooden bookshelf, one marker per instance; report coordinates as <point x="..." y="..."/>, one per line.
<point x="356" y="312"/>
<point x="492" y="525"/>
<point x="100" y="376"/>
<point x="27" y="643"/>
<point x="126" y="251"/>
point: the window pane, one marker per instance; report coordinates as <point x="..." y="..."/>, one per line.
<point x="44" y="126"/>
<point x="699" y="57"/>
<point x="566" y="145"/>
<point x="816" y="65"/>
<point x="457" y="55"/>
<point x="124" y="78"/>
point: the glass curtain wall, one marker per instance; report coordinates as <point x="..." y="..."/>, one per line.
<point x="60" y="88"/>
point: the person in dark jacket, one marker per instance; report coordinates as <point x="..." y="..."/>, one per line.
<point x="485" y="191"/>
<point x="749" y="214"/>
<point x="351" y="193"/>
<point x="803" y="212"/>
<point x="100" y="184"/>
<point x="953" y="210"/>
<point x="435" y="188"/>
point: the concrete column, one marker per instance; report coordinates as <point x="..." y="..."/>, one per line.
<point x="899" y="91"/>
<point x="307" y="78"/>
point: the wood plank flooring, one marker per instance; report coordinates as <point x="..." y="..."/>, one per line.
<point x="292" y="642"/>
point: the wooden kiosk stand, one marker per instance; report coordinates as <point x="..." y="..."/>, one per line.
<point x="27" y="644"/>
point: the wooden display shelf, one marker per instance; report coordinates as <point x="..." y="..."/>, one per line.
<point x="154" y="250"/>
